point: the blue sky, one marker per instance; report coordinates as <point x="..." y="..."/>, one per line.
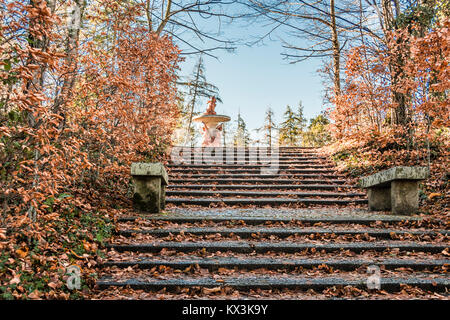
<point x="251" y="79"/>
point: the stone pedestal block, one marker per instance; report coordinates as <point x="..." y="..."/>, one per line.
<point x="405" y="196"/>
<point x="150" y="180"/>
<point x="379" y="198"/>
<point x="395" y="189"/>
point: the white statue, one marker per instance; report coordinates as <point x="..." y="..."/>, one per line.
<point x="212" y="127"/>
<point x="212" y="136"/>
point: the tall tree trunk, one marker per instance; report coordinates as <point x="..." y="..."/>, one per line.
<point x="166" y="17"/>
<point x="400" y="115"/>
<point x="194" y="98"/>
<point x="71" y="58"/>
<point x="148" y="12"/>
<point x="270" y="131"/>
<point x="223" y="136"/>
<point x="336" y="49"/>
<point x="34" y="85"/>
<point x="36" y="82"/>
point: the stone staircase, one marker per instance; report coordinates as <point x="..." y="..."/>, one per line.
<point x="303" y="178"/>
<point x="281" y="249"/>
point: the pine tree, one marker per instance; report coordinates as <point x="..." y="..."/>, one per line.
<point x="241" y="137"/>
<point x="224" y="134"/>
<point x="317" y="134"/>
<point x="182" y="133"/>
<point x="301" y="120"/>
<point x="291" y="129"/>
<point x="198" y="88"/>
<point x="268" y="127"/>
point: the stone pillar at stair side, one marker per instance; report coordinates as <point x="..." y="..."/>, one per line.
<point x="150" y="180"/>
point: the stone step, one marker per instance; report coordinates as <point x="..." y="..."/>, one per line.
<point x="214" y="217"/>
<point x="247" y="159"/>
<point x="296" y="165"/>
<point x="253" y="158"/>
<point x="258" y="187"/>
<point x="264" y="176"/>
<point x="214" y="193"/>
<point x="262" y="201"/>
<point x="246" y="166"/>
<point x="266" y="158"/>
<point x="282" y="246"/>
<point x="275" y="282"/>
<point x="253" y="153"/>
<point x="213" y="264"/>
<point x="298" y="148"/>
<point x="250" y="147"/>
<point x="256" y="172"/>
<point x="256" y="181"/>
<point x="245" y="232"/>
<point x="242" y="170"/>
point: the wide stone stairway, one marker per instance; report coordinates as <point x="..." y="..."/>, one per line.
<point x="284" y="224"/>
<point x="296" y="176"/>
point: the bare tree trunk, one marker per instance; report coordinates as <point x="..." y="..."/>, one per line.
<point x="399" y="98"/>
<point x="336" y="49"/>
<point x="194" y="98"/>
<point x="388" y="14"/>
<point x="223" y="136"/>
<point x="71" y="51"/>
<point x="165" y="18"/>
<point x="36" y="82"/>
<point x="270" y="131"/>
<point x="148" y="12"/>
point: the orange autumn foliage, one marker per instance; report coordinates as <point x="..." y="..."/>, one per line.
<point x="73" y="116"/>
<point x="121" y="108"/>
<point x="124" y="105"/>
<point x="363" y="114"/>
<point x="72" y="119"/>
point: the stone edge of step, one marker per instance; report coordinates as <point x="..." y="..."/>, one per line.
<point x="248" y="232"/>
<point x="287" y="247"/>
<point x="387" y="283"/>
<point x="276" y="263"/>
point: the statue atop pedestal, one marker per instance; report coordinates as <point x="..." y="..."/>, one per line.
<point x="212" y="125"/>
<point x="211" y="106"/>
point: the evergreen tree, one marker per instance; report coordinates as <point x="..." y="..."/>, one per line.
<point x="268" y="127"/>
<point x="182" y="133"/>
<point x="291" y="129"/>
<point x="241" y="137"/>
<point x="317" y="134"/>
<point x="197" y="89"/>
<point x="301" y="120"/>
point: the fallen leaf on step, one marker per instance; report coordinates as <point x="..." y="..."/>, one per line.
<point x="211" y="290"/>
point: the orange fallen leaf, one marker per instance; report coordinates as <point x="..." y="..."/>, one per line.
<point x="211" y="290"/>
<point x="15" y="280"/>
<point x="73" y="253"/>
<point x="2" y="234"/>
<point x="34" y="295"/>
<point x="22" y="253"/>
<point x="86" y="246"/>
<point x="433" y="195"/>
